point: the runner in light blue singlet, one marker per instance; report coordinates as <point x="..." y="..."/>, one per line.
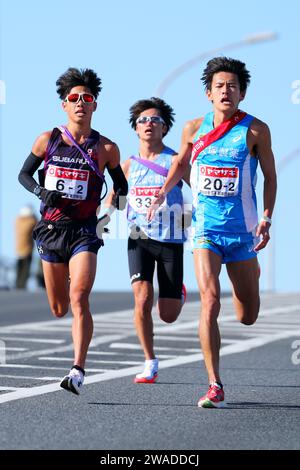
<point x="225" y="148"/>
<point x="143" y="182"/>
<point x="223" y="179"/>
<point x="155" y="249"/>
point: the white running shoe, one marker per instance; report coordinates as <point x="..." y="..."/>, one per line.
<point x="73" y="381"/>
<point x="149" y="374"/>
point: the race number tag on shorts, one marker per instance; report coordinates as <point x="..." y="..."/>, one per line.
<point x="140" y="198"/>
<point x="218" y="181"/>
<point x="72" y="182"/>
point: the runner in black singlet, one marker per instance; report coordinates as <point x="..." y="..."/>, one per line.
<point x="75" y="157"/>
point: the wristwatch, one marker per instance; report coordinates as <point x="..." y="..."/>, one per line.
<point x="37" y="191"/>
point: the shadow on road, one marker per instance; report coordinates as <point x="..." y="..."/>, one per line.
<point x="260" y="405"/>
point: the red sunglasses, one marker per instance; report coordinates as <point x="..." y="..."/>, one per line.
<point x="85" y="97"/>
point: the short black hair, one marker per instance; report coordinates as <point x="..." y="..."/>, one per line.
<point x="166" y="112"/>
<point x="225" y="64"/>
<point x="78" y="77"/>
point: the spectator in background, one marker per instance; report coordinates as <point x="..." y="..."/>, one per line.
<point x="24" y="225"/>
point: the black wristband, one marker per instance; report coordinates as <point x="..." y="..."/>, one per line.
<point x="38" y="191"/>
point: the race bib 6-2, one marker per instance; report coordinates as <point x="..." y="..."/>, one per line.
<point x="72" y="182"/>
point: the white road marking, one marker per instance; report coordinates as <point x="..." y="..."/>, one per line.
<point x="28" y="377"/>
<point x="22" y="339"/>
<point x="27" y="366"/>
<point x="157" y="348"/>
<point x="95" y="342"/>
<point x="240" y="345"/>
<point x="97" y="361"/>
<point x="42" y="325"/>
<point x="193" y="338"/>
<point x="6" y="348"/>
<point x="31" y="340"/>
<point x="187" y="338"/>
<point x="11" y="388"/>
<point x="105" y="339"/>
<point x="110" y="353"/>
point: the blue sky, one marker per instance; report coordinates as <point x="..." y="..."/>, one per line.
<point x="133" y="46"/>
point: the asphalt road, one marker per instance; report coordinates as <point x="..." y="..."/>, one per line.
<point x="260" y="370"/>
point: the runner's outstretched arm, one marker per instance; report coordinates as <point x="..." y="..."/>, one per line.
<point x="177" y="171"/>
<point x="113" y="198"/>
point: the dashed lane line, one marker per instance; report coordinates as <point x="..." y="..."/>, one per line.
<point x="29" y="366"/>
<point x="95" y="342"/>
<point x="157" y="348"/>
<point x="96" y="361"/>
<point x="238" y="347"/>
<point x="27" y="377"/>
<point x="234" y="346"/>
<point x="30" y="340"/>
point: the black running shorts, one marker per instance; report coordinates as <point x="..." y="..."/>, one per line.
<point x="57" y="242"/>
<point x="142" y="255"/>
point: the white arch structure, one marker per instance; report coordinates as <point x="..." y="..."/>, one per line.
<point x="174" y="74"/>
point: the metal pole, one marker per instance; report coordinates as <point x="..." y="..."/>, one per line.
<point x="271" y="258"/>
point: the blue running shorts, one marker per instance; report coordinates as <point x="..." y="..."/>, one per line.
<point x="230" y="248"/>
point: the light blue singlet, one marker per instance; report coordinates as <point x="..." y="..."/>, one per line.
<point x="223" y="179"/>
<point x="143" y="185"/>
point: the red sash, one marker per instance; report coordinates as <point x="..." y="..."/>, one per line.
<point x="216" y="134"/>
